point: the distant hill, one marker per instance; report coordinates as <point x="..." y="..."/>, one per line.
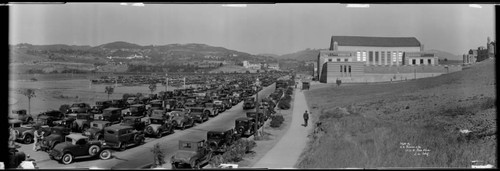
<point x="120" y="45"/>
<point x="269" y="55"/>
<point x="443" y="54"/>
<point x="304" y="55"/>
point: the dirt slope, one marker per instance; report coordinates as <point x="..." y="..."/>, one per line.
<point x="365" y="125"/>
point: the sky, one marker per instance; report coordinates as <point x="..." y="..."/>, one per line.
<point x="255" y="29"/>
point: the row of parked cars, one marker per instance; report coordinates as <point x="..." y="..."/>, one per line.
<point x="84" y="131"/>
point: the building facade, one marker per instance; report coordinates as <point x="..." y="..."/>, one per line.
<point x="247" y="64"/>
<point x="481" y="53"/>
<point x="348" y="55"/>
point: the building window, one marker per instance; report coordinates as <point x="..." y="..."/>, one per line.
<point x="421" y="61"/>
<point x="345" y="69"/>
<point x="376" y="56"/>
<point x="346" y="60"/>
<point x="340" y="68"/>
<point x="400" y="56"/>
<point x="349" y="69"/>
<point x="364" y="56"/>
<point x="413" y="61"/>
<point x="370" y="56"/>
<point x="358" y="55"/>
<point x="338" y="59"/>
<point x="429" y="61"/>
<point x="330" y="60"/>
<point x="393" y="56"/>
<point x="382" y="56"/>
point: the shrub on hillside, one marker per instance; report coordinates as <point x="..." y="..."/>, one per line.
<point x="277" y="120"/>
<point x="337" y="112"/>
<point x="289" y="92"/>
<point x="238" y="150"/>
<point x="284" y="105"/>
<point x="287" y="97"/>
<point x="488" y="103"/>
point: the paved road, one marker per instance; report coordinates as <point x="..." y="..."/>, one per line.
<point x="287" y="151"/>
<point x="139" y="156"/>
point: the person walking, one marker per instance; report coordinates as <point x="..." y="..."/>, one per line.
<point x="38" y="136"/>
<point x="306" y="117"/>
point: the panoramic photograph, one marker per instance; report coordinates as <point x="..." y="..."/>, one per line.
<point x="274" y="86"/>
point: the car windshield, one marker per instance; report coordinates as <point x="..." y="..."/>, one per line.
<point x="75" y="105"/>
<point x="155" y="104"/>
<point x="82" y="116"/>
<point x="68" y="139"/>
<point x="196" y="110"/>
<point x="55" y="131"/>
<point x="128" y="121"/>
<point x="52" y="113"/>
<point x="156" y="121"/>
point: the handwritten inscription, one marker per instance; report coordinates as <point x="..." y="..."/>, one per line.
<point x="415" y="149"/>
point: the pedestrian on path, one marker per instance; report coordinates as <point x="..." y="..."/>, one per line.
<point x="306" y="117"/>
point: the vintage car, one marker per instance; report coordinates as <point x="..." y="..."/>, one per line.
<point x="191" y="154"/>
<point x="245" y="126"/>
<point x="199" y="114"/>
<point x="21" y="115"/>
<point x="132" y="100"/>
<point x="66" y="122"/>
<point x="219" y="105"/>
<point x="138" y="123"/>
<point x="96" y="130"/>
<point x="48" y="118"/>
<point x="25" y="133"/>
<point x="249" y="103"/>
<point x="78" y="146"/>
<point x="227" y="102"/>
<point x="214" y="111"/>
<point x="181" y="119"/>
<point x="119" y="103"/>
<point x="159" y="113"/>
<point x="155" y="105"/>
<point x="56" y="136"/>
<point x="159" y="126"/>
<point x="112" y="114"/>
<point x="260" y="117"/>
<point x="79" y="108"/>
<point x="101" y="105"/>
<point x="82" y="121"/>
<point x="219" y="140"/>
<point x="136" y="110"/>
<point x="122" y="136"/>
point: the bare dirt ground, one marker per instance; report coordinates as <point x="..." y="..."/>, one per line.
<point x="408" y="124"/>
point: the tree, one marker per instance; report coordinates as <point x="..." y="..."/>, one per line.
<point x="445" y="59"/>
<point x="109" y="90"/>
<point x="64" y="108"/>
<point x="152" y="87"/>
<point x="29" y="93"/>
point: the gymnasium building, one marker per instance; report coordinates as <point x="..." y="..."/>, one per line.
<point x="349" y="56"/>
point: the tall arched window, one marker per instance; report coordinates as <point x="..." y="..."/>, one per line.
<point x="340" y="68"/>
<point x="349" y="69"/>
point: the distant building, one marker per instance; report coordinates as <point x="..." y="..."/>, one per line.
<point x="247" y="64"/>
<point x="274" y="66"/>
<point x="481" y="53"/>
<point x="348" y="55"/>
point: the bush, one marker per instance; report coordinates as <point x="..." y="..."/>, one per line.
<point x="237" y="151"/>
<point x="284" y="105"/>
<point x="277" y="120"/>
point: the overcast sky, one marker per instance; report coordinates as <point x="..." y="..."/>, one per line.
<point x="257" y="28"/>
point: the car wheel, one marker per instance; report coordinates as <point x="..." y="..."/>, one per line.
<point x="67" y="158"/>
<point x="149" y="130"/>
<point x="94" y="149"/>
<point x="105" y="154"/>
<point x="28" y="139"/>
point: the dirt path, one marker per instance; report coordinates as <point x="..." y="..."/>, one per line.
<point x="287" y="151"/>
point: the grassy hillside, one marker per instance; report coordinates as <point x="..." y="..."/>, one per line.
<point x="365" y="125"/>
<point x="304" y="55"/>
<point x="442" y="55"/>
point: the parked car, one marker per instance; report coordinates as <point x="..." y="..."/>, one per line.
<point x="65" y="122"/>
<point x="21" y="115"/>
<point x="199" y="114"/>
<point x="82" y="121"/>
<point x="96" y="130"/>
<point x="245" y="126"/>
<point x="159" y="126"/>
<point x="79" y="108"/>
<point x="48" y="117"/>
<point x="192" y="154"/>
<point x="137" y="110"/>
<point x="212" y="109"/>
<point x="132" y="100"/>
<point x="181" y="119"/>
<point x="101" y="105"/>
<point x="138" y="123"/>
<point x="249" y="103"/>
<point x="227" y="102"/>
<point x="122" y="136"/>
<point x="57" y="135"/>
<point x="79" y="146"/>
<point x="119" y="103"/>
<point x="260" y="117"/>
<point x="219" y="105"/>
<point x="112" y="114"/>
<point x="159" y="113"/>
<point x="219" y="140"/>
<point x="25" y="133"/>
